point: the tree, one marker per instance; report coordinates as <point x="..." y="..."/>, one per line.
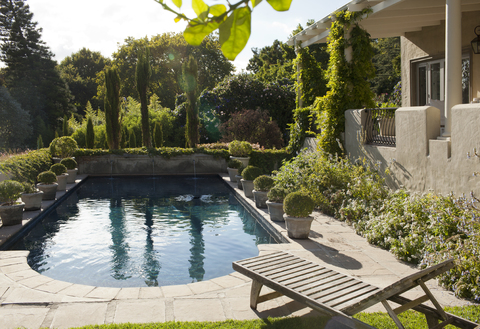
<point x="142" y="77"/>
<point x="190" y="71"/>
<point x="80" y="71"/>
<point x="158" y="135"/>
<point x="30" y="74"/>
<point x="387" y="64"/>
<point x="65" y="126"/>
<point x="112" y="108"/>
<point x="233" y="23"/>
<point x="15" y="125"/>
<point x="90" y="134"/>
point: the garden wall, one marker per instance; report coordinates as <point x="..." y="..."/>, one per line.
<point x="421" y="161"/>
<point x="128" y="164"/>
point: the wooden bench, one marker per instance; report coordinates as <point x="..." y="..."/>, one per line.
<point x="334" y="293"/>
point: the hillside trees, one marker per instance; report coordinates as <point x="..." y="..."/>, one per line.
<point x="80" y="71"/>
<point x="143" y="73"/>
<point x="387" y="64"/>
<point x="15" y="125"/>
<point x="30" y="73"/>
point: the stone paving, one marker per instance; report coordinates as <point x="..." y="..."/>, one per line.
<point x="31" y="300"/>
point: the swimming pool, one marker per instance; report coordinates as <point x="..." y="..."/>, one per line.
<point x="144" y="231"/>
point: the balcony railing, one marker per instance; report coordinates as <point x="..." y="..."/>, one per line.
<point x="379" y="126"/>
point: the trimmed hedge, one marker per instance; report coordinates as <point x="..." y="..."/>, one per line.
<point x="26" y="167"/>
<point x="269" y="160"/>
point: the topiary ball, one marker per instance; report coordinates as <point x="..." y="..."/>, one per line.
<point x="70" y="163"/>
<point x="263" y="183"/>
<point x="277" y="194"/>
<point x="298" y="204"/>
<point x="58" y="169"/>
<point x="10" y="191"/>
<point x="234" y="163"/>
<point x="251" y="172"/>
<point x="47" y="177"/>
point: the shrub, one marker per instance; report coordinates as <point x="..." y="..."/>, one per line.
<point x="298" y="204"/>
<point x="240" y="170"/>
<point x="47" y="177"/>
<point x="26" y="167"/>
<point x="29" y="188"/>
<point x="253" y="126"/>
<point x="10" y="191"/>
<point x="263" y="183"/>
<point x="251" y="172"/>
<point x="70" y="163"/>
<point x="58" y="169"/>
<point x="277" y="194"/>
<point x="234" y="163"/>
<point x="239" y="149"/>
<point x="63" y="147"/>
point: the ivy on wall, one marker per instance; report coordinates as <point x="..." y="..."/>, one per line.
<point x="310" y="78"/>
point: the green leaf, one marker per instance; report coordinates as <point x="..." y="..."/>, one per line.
<point x="177" y="3"/>
<point x="217" y="10"/>
<point x="235" y="32"/>
<point x="255" y="3"/>
<point x="197" y="31"/>
<point x="280" y="5"/>
<point x="199" y="6"/>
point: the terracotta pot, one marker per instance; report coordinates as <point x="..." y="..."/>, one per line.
<point x="49" y="190"/>
<point x="72" y="175"/>
<point x="275" y="209"/>
<point x="33" y="201"/>
<point x="298" y="227"/>
<point x="260" y="198"/>
<point x="12" y="215"/>
<point x="232" y="172"/>
<point x="62" y="182"/>
<point x="248" y="188"/>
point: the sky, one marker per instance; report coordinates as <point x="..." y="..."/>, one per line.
<point x="103" y="25"/>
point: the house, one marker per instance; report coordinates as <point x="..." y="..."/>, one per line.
<point x="437" y="128"/>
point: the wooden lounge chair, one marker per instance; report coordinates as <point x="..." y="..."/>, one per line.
<point x="334" y="293"/>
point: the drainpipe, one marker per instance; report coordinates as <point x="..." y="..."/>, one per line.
<point x="453" y="60"/>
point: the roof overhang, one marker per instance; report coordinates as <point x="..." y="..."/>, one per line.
<point x="388" y="18"/>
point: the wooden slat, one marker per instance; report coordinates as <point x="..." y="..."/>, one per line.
<point x="411" y="304"/>
<point x="292" y="274"/>
<point x="283" y="267"/>
<point x="324" y="285"/>
<point x="342" y="299"/>
<point x="341" y="286"/>
<point x="309" y="282"/>
<point x="249" y="261"/>
<point x="267" y="263"/>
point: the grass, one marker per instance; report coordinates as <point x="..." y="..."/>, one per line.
<point x="410" y="319"/>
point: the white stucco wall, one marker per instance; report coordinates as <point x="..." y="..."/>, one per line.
<point x="420" y="161"/>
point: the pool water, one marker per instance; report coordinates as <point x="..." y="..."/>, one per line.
<point x="144" y="231"/>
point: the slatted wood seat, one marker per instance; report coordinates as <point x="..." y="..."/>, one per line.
<point x="334" y="293"/>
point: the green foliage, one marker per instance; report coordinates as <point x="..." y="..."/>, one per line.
<point x="70" y="163"/>
<point x="277" y="194"/>
<point x="298" y="204"/>
<point x="63" y="147"/>
<point x="251" y="172"/>
<point x="239" y="148"/>
<point x="234" y="163"/>
<point x="10" y="191"/>
<point x="347" y="81"/>
<point x="112" y="108"/>
<point x="269" y="160"/>
<point x="39" y="142"/>
<point x="190" y="76"/>
<point x="263" y="183"/>
<point x="65" y="131"/>
<point x="15" y="123"/>
<point x="90" y="134"/>
<point x="132" y="141"/>
<point x="58" y="169"/>
<point x="301" y="128"/>
<point x="387" y="63"/>
<point x="310" y="82"/>
<point x="26" y="167"/>
<point x="47" y="177"/>
<point x="158" y="135"/>
<point x="254" y="127"/>
<point x="29" y="188"/>
<point x="143" y="73"/>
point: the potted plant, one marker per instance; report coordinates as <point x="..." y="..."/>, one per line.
<point x="11" y="211"/>
<point x="298" y="206"/>
<point x="32" y="197"/>
<point x="238" y="177"/>
<point x="63" y="147"/>
<point x="232" y="168"/>
<point x="47" y="182"/>
<point x="240" y="151"/>
<point x="275" y="196"/>
<point x="61" y="171"/>
<point x="262" y="184"/>
<point x="249" y="174"/>
<point x="72" y="170"/>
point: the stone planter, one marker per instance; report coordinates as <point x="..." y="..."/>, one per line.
<point x="72" y="175"/>
<point x="62" y="182"/>
<point x="248" y="188"/>
<point x="12" y="215"/>
<point x="298" y="227"/>
<point x="243" y="160"/>
<point x="275" y="209"/>
<point x="33" y="201"/>
<point x="239" y="181"/>
<point x="232" y="172"/>
<point x="260" y="198"/>
<point x="49" y="190"/>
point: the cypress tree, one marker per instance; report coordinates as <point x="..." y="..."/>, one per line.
<point x="190" y="74"/>
<point x="132" y="142"/>
<point x="112" y="108"/>
<point x="65" y="126"/>
<point x="158" y="135"/>
<point x="39" y="142"/>
<point x="143" y="73"/>
<point x="90" y="134"/>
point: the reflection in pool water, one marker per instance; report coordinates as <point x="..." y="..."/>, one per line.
<point x="144" y="231"/>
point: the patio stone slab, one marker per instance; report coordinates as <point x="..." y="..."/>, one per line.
<point x="150" y="292"/>
<point x="31" y="317"/>
<point x="54" y="286"/>
<point x="204" y="286"/>
<point x="198" y="310"/>
<point x="103" y="293"/>
<point x="17" y="267"/>
<point x="176" y="291"/>
<point x="228" y="281"/>
<point x="79" y="314"/>
<point x="128" y="293"/>
<point x="140" y="311"/>
<point x="77" y="290"/>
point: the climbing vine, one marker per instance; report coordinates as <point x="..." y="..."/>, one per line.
<point x="347" y="81"/>
<point x="310" y="78"/>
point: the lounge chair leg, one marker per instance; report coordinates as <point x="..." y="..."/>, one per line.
<point x="254" y="293"/>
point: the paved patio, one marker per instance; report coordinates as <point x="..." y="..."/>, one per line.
<point x="31" y="300"/>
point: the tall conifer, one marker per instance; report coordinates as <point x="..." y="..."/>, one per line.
<point x="143" y="73"/>
<point x="190" y="75"/>
<point x="112" y="108"/>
